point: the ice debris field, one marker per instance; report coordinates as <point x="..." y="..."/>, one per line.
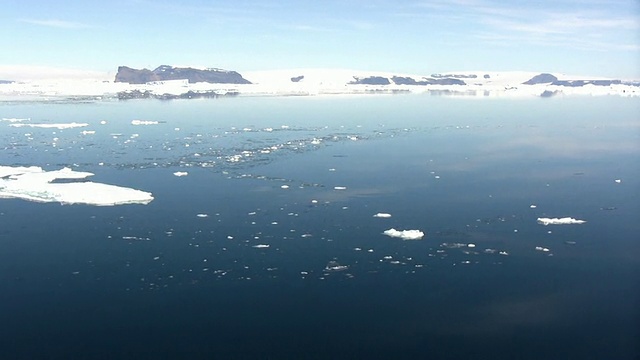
<point x="266" y="236"/>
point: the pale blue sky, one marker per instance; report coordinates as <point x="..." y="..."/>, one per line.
<point x="581" y="37"/>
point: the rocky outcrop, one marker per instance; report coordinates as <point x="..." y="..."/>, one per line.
<point x="541" y="79"/>
<point x="552" y="80"/>
<point x="297" y="78"/>
<point x="371" y="80"/>
<point x="165" y="72"/>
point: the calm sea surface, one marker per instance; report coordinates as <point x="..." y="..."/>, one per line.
<point x="190" y="275"/>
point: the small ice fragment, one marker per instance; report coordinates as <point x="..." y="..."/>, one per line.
<point x="543" y="249"/>
<point x="230" y="237"/>
<point x="88" y="132"/>
<point x="503" y="253"/>
<point x="261" y="246"/>
<point x="437" y="176"/>
<point x="180" y="173"/>
<point x="202" y="215"/>
<point x="284" y="186"/>
<point x="103" y="122"/>
<point x="314" y="201"/>
<point x="156" y="258"/>
<point x="357" y="249"/>
<point x="382" y="215"/>
<point x="335" y="266"/>
<point x="471" y="245"/>
<point x="618" y="181"/>
<point x="533" y="206"/>
<point x="340" y="188"/>
<point x="404" y="234"/>
<point x="332" y="169"/>
<point x="559" y="221"/>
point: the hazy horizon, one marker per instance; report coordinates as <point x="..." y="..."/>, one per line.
<point x="598" y="38"/>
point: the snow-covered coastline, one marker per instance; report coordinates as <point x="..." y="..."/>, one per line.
<point x="314" y="82"/>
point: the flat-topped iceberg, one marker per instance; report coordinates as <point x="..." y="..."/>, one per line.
<point x="559" y="221"/>
<point x="35" y="184"/>
<point x="405" y="234"/>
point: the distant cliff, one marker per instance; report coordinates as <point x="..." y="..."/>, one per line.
<point x="165" y="72"/>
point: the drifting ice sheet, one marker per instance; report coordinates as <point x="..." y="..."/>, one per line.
<point x="559" y="221"/>
<point x="405" y="234"/>
<point x="35" y="184"/>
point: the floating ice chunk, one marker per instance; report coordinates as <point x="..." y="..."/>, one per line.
<point x="52" y="126"/>
<point x="543" y="249"/>
<point x="471" y="245"/>
<point x="103" y="122"/>
<point x="202" y="215"/>
<point x="180" y="173"/>
<point x="88" y="132"/>
<point x="559" y="221"/>
<point x="261" y="246"/>
<point x="340" y="188"/>
<point x="143" y="122"/>
<point x="532" y="206"/>
<point x="405" y="234"/>
<point x="503" y="253"/>
<point x="382" y="215"/>
<point x="35" y="184"/>
<point x="284" y="186"/>
<point x="618" y="181"/>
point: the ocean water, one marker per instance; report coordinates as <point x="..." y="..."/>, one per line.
<point x="190" y="275"/>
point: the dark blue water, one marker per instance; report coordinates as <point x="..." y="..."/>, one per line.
<point x="157" y="281"/>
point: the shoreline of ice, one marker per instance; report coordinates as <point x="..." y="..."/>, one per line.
<point x="315" y="82"/>
<point x="36" y="184"/>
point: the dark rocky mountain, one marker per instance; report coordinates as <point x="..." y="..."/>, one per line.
<point x="297" y="78"/>
<point x="166" y="72"/>
<point x="402" y="80"/>
<point x="552" y="80"/>
<point x="371" y="80"/>
<point x="541" y="79"/>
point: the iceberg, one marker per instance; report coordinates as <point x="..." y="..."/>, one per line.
<point x="404" y="234"/>
<point x="559" y="221"/>
<point x="35" y="184"/>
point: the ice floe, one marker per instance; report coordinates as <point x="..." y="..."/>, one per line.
<point x="559" y="221"/>
<point x="35" y="184"/>
<point x="261" y="246"/>
<point x="382" y="215"/>
<point x="180" y="173"/>
<point x="143" y="122"/>
<point x="51" y="126"/>
<point x="404" y="234"/>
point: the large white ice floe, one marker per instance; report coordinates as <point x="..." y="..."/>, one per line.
<point x="35" y="184"/>
<point x="559" y="221"/>
<point x="51" y="126"/>
<point x="405" y="234"/>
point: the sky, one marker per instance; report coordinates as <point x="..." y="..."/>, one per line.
<point x="599" y="38"/>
